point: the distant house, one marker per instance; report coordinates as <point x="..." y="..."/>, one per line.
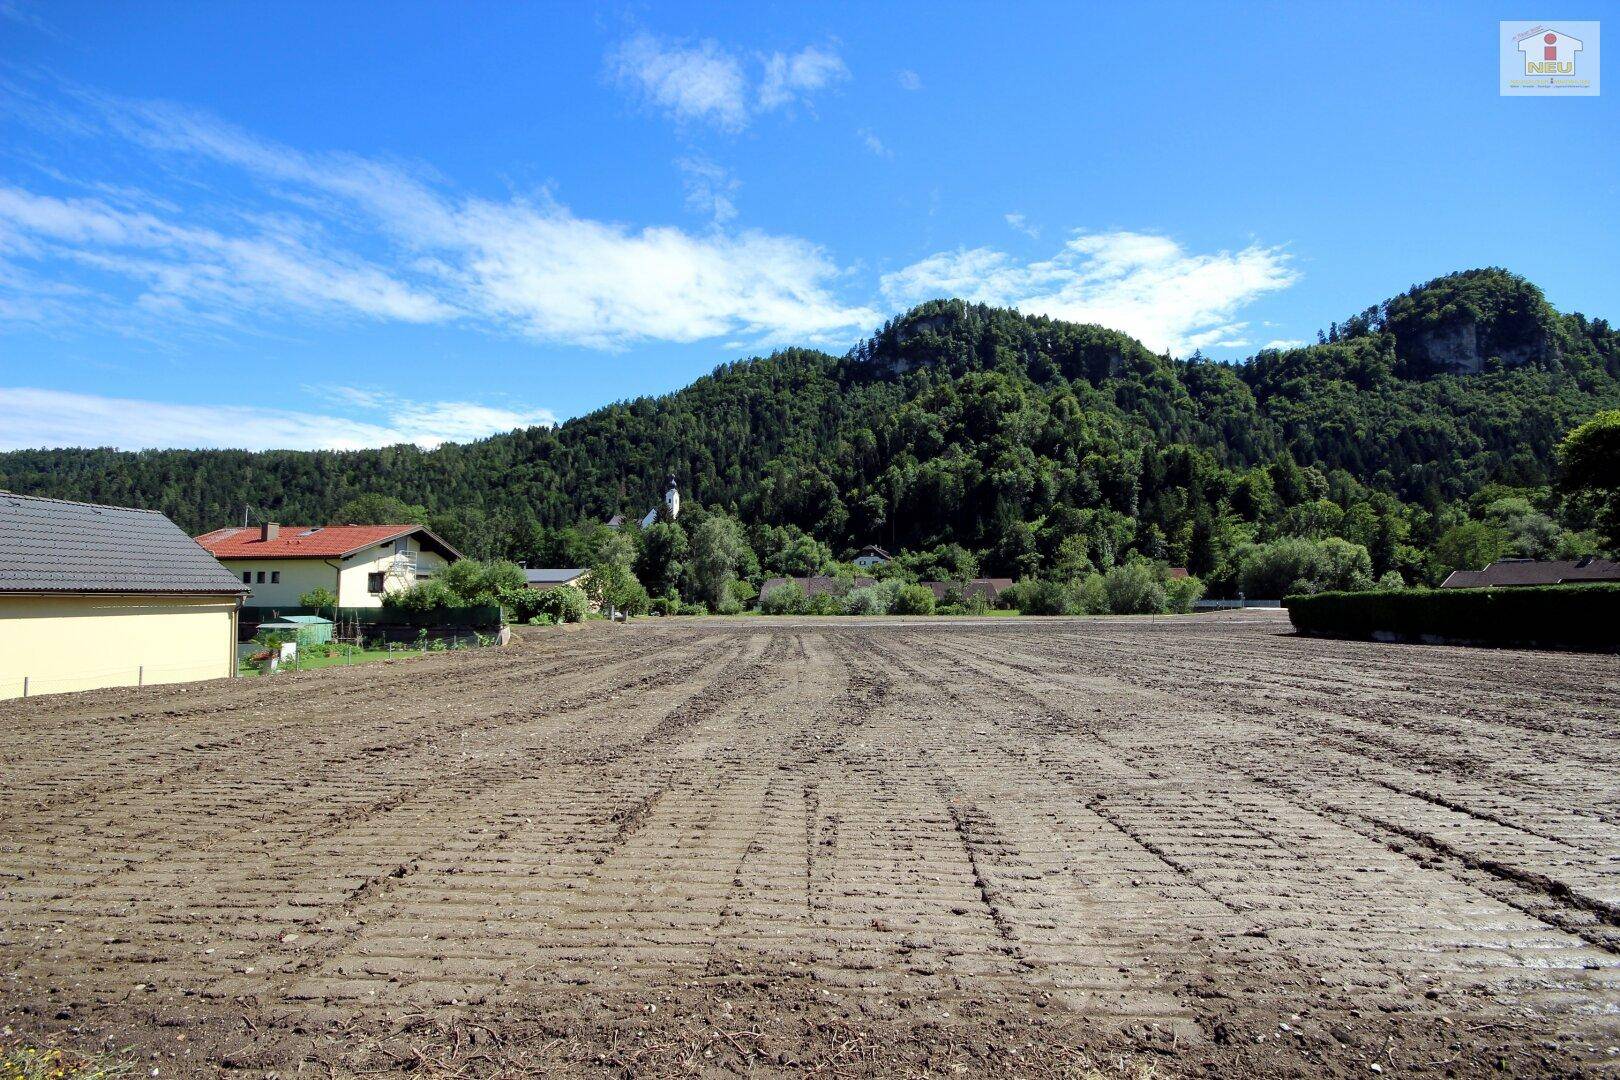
<point x="360" y="564"/>
<point x="542" y="579"/>
<point x="95" y="596"/>
<point x="615" y="522"/>
<point x="989" y="588"/>
<point x="1176" y="572"/>
<point x="1510" y="572"/>
<point x="871" y="555"/>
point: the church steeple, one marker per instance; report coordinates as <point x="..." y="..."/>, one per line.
<point x="672" y="499"/>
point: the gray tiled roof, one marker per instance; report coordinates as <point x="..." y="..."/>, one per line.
<point x="1504" y="572"/>
<point x="551" y="576"/>
<point x="48" y="545"/>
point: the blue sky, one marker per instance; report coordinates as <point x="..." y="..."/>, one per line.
<point x="305" y="225"/>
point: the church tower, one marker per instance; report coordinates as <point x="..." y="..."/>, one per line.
<point x="672" y="500"/>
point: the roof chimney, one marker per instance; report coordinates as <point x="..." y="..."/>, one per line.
<point x="269" y="530"/>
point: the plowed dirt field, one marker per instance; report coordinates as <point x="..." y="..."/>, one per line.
<point x="1005" y="846"/>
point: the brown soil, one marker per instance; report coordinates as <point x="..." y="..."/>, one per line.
<point x="1187" y="846"/>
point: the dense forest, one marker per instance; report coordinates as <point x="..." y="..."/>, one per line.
<point x="1422" y="430"/>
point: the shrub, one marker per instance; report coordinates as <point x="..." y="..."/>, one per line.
<point x="430" y="595"/>
<point x="1036" y="596"/>
<point x="785" y="599"/>
<point x="474" y="582"/>
<point x="875" y="599"/>
<point x="1181" y="593"/>
<point x="913" y="600"/>
<point x="729" y="606"/>
<point x="634" y="600"/>
<point x="564" y="604"/>
<point x="691" y="609"/>
<point x="1091" y="596"/>
<point x="1134" y="589"/>
<point x="824" y="604"/>
<point x="663" y="605"/>
<point x="1391" y="581"/>
<point x="951" y="609"/>
<point x="1567" y="616"/>
<point x="1297" y="565"/>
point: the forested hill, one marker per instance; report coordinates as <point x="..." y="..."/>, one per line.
<point x="1028" y="441"/>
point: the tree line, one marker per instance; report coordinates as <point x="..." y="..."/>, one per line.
<point x="978" y="438"/>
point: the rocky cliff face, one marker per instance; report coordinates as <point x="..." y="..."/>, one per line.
<point x="1461" y="348"/>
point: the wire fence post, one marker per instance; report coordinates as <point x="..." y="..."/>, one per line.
<point x="25" y="686"/>
<point x="140" y="675"/>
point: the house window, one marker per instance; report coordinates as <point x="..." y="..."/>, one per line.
<point x="275" y="577"/>
<point x="261" y="577"/>
<point x="247" y="577"/>
<point x="374" y="584"/>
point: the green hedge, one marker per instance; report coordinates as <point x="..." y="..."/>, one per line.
<point x="1545" y="616"/>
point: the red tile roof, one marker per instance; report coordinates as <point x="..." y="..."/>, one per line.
<point x="300" y="541"/>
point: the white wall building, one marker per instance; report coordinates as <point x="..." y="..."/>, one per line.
<point x="360" y="564"/>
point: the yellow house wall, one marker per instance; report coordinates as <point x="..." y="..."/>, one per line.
<point x="347" y="578"/>
<point x="81" y="642"/>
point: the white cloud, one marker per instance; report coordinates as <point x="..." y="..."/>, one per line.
<point x="690" y="82"/>
<point x="908" y="79"/>
<point x="522" y="265"/>
<point x="1283" y="343"/>
<point x="32" y="417"/>
<point x="870" y="140"/>
<point x="704" y="82"/>
<point x="182" y="265"/>
<point x="1019" y="223"/>
<point x="791" y="79"/>
<point x="709" y="189"/>
<point x="1145" y="285"/>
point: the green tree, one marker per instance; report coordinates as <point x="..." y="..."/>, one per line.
<point x="322" y="600"/>
<point x="661" y="553"/>
<point x="612" y="587"/>
<point x="1472" y="545"/>
<point x="375" y="508"/>
<point x="474" y="582"/>
<point x="1589" y="462"/>
<point x="717" y="554"/>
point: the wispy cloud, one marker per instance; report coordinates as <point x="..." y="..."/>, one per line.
<point x="794" y="78"/>
<point x="1019" y="223"/>
<point x="1145" y="285"/>
<point x="870" y="140"/>
<point x="31" y="417"/>
<point x="1283" y="343"/>
<point x="24" y="13"/>
<point x="705" y="82"/>
<point x="338" y="233"/>
<point x="710" y="188"/>
<point x="908" y="79"/>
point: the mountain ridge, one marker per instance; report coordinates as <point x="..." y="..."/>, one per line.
<point x="965" y="424"/>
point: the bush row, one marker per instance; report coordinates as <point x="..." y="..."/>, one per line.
<point x="1134" y="588"/>
<point x="883" y="598"/>
<point x="1550" y="616"/>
